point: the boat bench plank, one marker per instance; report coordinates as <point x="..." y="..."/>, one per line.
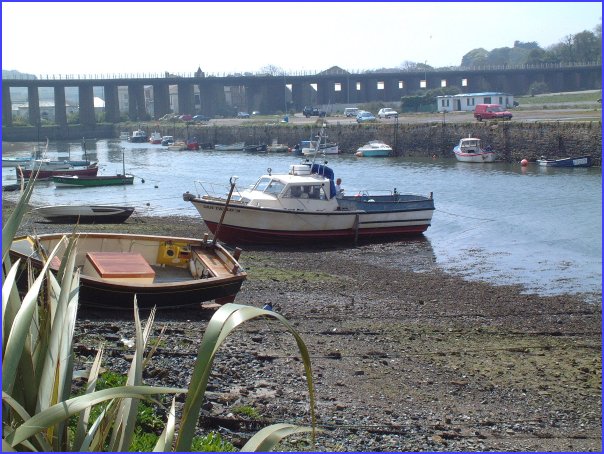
<point x="213" y="263"/>
<point x="119" y="266"/>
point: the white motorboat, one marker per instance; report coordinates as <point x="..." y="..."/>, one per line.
<point x="302" y="205"/>
<point x="469" y="149"/>
<point x="375" y="148"/>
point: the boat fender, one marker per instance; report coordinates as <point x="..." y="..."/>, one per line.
<point x="193" y="269"/>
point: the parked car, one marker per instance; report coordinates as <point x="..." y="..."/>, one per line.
<point x="490" y="112"/>
<point x="363" y="117"/>
<point x="310" y="111"/>
<point x="351" y="111"/>
<point x="201" y="117"/>
<point x="186" y="117"/>
<point x="255" y="112"/>
<point x="387" y="112"/>
<point x="243" y="115"/>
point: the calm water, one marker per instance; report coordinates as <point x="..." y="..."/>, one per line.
<point x="534" y="226"/>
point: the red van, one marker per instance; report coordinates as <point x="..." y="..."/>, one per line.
<point x="490" y="112"/>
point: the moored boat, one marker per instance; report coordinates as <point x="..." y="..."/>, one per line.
<point x="16" y="161"/>
<point x="469" y="149"/>
<point x="90" y="170"/>
<point x="580" y="161"/>
<point x="138" y="136"/>
<point x="167" y="140"/>
<point x="155" y="138"/>
<point x="262" y="148"/>
<point x="85" y="214"/>
<point x="162" y="271"/>
<point x="375" y="148"/>
<point x="75" y="181"/>
<point x="302" y="205"/>
<point x="238" y="146"/>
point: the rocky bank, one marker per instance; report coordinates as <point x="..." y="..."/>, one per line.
<point x="404" y="356"/>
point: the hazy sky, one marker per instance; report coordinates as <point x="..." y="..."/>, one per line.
<point x="150" y="38"/>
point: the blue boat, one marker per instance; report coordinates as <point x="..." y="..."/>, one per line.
<point x="581" y="161"/>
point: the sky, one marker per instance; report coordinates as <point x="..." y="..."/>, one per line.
<point x="150" y="38"/>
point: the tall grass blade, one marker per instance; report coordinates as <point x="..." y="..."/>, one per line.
<point x="226" y="319"/>
<point x="19" y="331"/>
<point x="267" y="438"/>
<point x="63" y="410"/>
<point x="93" y="376"/>
<point x="164" y="443"/>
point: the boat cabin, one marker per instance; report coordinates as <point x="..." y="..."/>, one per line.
<point x="291" y="191"/>
<point x="469" y="144"/>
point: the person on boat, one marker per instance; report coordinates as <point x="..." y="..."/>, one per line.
<point x="339" y="190"/>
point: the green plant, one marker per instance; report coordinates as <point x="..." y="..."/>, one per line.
<point x="246" y="410"/>
<point x="212" y="442"/>
<point x="39" y="413"/>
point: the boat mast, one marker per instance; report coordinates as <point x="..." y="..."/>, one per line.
<point x="318" y="143"/>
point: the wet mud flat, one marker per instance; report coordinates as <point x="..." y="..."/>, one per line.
<point x="405" y="357"/>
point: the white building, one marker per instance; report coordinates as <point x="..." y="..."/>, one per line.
<point x="466" y="102"/>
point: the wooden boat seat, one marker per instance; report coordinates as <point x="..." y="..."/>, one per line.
<point x="213" y="263"/>
<point x="118" y="267"/>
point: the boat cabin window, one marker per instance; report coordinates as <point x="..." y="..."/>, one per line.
<point x="269" y="186"/>
<point x="314" y="191"/>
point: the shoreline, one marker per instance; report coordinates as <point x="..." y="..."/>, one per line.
<point x="405" y="356"/>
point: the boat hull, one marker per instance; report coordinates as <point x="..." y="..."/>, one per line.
<point x="15" y="162"/>
<point x="486" y="156"/>
<point x="233" y="147"/>
<point x="373" y="153"/>
<point x="165" y="292"/>
<point x="582" y="161"/>
<point x="252" y="225"/>
<point x="83" y="181"/>
<point x="85" y="214"/>
<point x="83" y="172"/>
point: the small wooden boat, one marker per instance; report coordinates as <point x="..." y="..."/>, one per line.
<point x="89" y="171"/>
<point x="16" y="161"/>
<point x="232" y="147"/>
<point x="278" y="148"/>
<point x="255" y="148"/>
<point x="75" y="181"/>
<point x="85" y="214"/>
<point x="162" y="271"/>
<point x="469" y="149"/>
<point x="373" y="149"/>
<point x="581" y="161"/>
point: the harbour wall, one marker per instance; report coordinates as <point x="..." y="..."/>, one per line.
<point x="513" y="140"/>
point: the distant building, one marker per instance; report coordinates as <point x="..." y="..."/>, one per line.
<point x="47" y="109"/>
<point x="466" y="102"/>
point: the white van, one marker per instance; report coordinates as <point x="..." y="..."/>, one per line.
<point x="351" y="111"/>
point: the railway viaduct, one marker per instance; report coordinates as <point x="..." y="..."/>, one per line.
<point x="212" y="95"/>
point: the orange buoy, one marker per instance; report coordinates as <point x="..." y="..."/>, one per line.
<point x="524" y="163"/>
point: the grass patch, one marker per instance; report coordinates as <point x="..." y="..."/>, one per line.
<point x="246" y="411"/>
<point x="262" y="269"/>
<point x="553" y="98"/>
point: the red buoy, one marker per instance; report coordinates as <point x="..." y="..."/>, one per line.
<point x="524" y="163"/>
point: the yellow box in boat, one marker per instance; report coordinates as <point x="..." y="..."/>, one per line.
<point x="173" y="253"/>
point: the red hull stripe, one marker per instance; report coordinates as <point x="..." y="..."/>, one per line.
<point x="237" y="235"/>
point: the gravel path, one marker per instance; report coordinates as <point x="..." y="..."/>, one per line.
<point x="404" y="356"/>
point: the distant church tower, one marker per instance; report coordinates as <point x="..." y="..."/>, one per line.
<point x="199" y="72"/>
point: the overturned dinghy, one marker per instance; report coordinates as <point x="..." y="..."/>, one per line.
<point x="166" y="272"/>
<point x="85" y="214"/>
